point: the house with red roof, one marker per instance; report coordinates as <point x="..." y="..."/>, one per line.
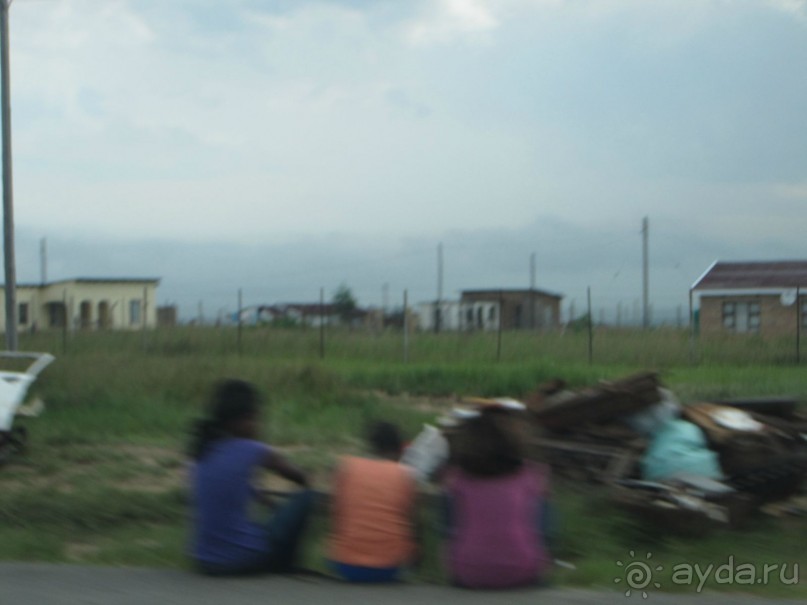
<point x="753" y="297"/>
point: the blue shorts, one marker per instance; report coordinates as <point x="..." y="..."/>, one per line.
<point x="370" y="575"/>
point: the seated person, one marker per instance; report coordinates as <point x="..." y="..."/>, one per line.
<point x="495" y="506"/>
<point x="226" y="454"/>
<point x="372" y="512"/>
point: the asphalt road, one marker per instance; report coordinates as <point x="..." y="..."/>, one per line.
<point x="36" y="584"/>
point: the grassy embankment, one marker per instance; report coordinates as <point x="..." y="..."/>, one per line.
<point x="103" y="479"/>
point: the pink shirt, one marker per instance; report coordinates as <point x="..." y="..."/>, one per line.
<point x="495" y="540"/>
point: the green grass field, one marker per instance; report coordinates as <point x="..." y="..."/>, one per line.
<point x="103" y="478"/>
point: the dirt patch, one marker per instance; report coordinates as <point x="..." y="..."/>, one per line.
<point x="80" y="551"/>
<point x="421" y="403"/>
<point x="143" y="468"/>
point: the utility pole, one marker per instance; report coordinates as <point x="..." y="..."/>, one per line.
<point x="8" y="195"/>
<point x="43" y="259"/>
<point x="438" y="314"/>
<point x="645" y="276"/>
<point x="532" y="291"/>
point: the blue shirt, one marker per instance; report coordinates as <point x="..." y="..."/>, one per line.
<point x="223" y="533"/>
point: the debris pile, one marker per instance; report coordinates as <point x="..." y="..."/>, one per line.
<point x="686" y="467"/>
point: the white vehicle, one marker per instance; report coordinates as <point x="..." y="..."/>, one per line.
<point x="13" y="389"/>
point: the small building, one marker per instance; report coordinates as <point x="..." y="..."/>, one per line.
<point x="86" y="303"/>
<point x="167" y="316"/>
<point x="483" y="310"/>
<point x="517" y="309"/>
<point x="763" y="297"/>
<point x="434" y="316"/>
<point x="305" y="314"/>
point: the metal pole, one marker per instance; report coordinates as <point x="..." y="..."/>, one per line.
<point x="144" y="318"/>
<point x="645" y="276"/>
<point x="691" y="328"/>
<point x="43" y="254"/>
<point x="798" y="324"/>
<point x="8" y="189"/>
<point x="499" y="329"/>
<point x="438" y="318"/>
<point x="240" y="300"/>
<point x="590" y="330"/>
<point x="406" y="326"/>
<point x="532" y="291"/>
<point x="64" y="320"/>
<point x="322" y="323"/>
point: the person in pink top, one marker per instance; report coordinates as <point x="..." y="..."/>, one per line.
<point x="495" y="507"/>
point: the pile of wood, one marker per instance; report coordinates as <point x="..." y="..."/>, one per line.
<point x="596" y="434"/>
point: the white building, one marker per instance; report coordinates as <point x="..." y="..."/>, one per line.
<point x="86" y="303"/>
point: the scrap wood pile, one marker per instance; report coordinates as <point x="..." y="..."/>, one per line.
<point x="686" y="467"/>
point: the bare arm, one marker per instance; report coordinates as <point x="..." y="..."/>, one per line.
<point x="277" y="463"/>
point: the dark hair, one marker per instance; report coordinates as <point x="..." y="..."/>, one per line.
<point x="385" y="438"/>
<point x="232" y="400"/>
<point x="490" y="444"/>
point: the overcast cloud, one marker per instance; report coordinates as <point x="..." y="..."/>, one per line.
<point x="283" y="146"/>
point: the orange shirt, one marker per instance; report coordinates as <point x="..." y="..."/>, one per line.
<point x="371" y="513"/>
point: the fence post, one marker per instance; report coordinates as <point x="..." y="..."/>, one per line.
<point x="406" y="327"/>
<point x="322" y="323"/>
<point x="590" y="330"/>
<point x="240" y="309"/>
<point x="499" y="315"/>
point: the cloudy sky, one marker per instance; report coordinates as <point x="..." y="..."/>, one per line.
<point x="281" y="146"/>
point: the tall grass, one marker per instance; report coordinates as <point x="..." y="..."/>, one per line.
<point x="78" y="495"/>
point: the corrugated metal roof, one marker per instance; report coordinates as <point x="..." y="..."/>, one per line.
<point x="754" y="274"/>
<point x="525" y="292"/>
<point x="92" y="280"/>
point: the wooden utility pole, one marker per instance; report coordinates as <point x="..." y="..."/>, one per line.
<point x="438" y="314"/>
<point x="43" y="260"/>
<point x="798" y="324"/>
<point x="645" y="276"/>
<point x="240" y="321"/>
<point x="8" y="195"/>
<point x="532" y="291"/>
<point x="322" y="323"/>
<point x="499" y="327"/>
<point x="590" y="329"/>
<point x="406" y="326"/>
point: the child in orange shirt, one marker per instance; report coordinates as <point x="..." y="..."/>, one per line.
<point x="372" y="512"/>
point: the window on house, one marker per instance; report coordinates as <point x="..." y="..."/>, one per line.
<point x="134" y="312"/>
<point x="804" y="315"/>
<point x="492" y="314"/>
<point x="742" y="316"/>
<point x="754" y="314"/>
<point x="23" y="313"/>
<point x="729" y="315"/>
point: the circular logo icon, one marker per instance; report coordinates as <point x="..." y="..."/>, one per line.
<point x="638" y="574"/>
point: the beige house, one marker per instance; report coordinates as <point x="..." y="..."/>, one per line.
<point x="516" y="309"/>
<point x="86" y="304"/>
<point x="763" y="297"/>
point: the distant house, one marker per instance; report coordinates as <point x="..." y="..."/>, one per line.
<point x="302" y="314"/>
<point x="167" y="316"/>
<point x="445" y="315"/>
<point x="517" y="309"/>
<point x="86" y="303"/>
<point x="486" y="310"/>
<point x="764" y="297"/>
